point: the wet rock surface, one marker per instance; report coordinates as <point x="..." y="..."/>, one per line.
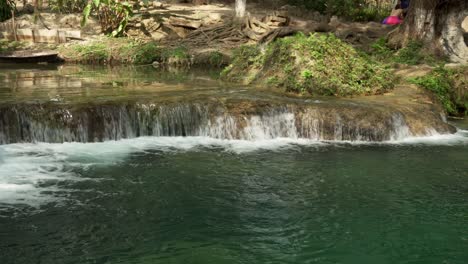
<point x="223" y="119"/>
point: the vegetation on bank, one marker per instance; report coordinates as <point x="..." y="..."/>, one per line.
<point x="412" y="54"/>
<point x="124" y="51"/>
<point x="6" y="46"/>
<point x="318" y="64"/>
<point x="6" y="7"/>
<point x="450" y="86"/>
<point x="355" y="10"/>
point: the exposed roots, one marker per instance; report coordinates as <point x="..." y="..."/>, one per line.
<point x="237" y="32"/>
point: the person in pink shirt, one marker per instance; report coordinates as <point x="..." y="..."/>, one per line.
<point x="395" y="17"/>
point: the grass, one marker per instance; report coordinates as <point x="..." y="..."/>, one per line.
<point x="450" y="86"/>
<point x="318" y="64"/>
<point x="6" y="45"/>
<point x="123" y="50"/>
<point x="412" y="54"/>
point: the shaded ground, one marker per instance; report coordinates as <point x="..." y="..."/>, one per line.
<point x="174" y="24"/>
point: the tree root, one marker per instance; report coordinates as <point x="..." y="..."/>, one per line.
<point x="234" y="32"/>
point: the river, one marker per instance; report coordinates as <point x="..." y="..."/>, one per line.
<point x="203" y="197"/>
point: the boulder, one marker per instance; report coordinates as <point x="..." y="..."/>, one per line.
<point x="464" y="25"/>
<point x="178" y="21"/>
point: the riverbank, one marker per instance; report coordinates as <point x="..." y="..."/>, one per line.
<point x="214" y="41"/>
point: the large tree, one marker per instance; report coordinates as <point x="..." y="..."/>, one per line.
<point x="438" y="24"/>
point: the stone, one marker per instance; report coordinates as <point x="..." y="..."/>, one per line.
<point x="184" y="22"/>
<point x="151" y="24"/>
<point x="464" y="25"/>
<point x="334" y="22"/>
<point x="157" y="4"/>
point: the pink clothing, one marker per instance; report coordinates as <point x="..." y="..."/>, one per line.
<point x="392" y="20"/>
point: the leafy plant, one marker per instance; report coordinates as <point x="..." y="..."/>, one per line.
<point x="380" y="49"/>
<point x="113" y="15"/>
<point x="357" y="10"/>
<point x="141" y="53"/>
<point x="319" y="64"/>
<point x="6" y="45"/>
<point x="411" y="54"/>
<point x="449" y="86"/>
<point x="67" y="6"/>
<point x="6" y="7"/>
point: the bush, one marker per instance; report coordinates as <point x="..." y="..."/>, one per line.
<point x="380" y="49"/>
<point x="449" y="86"/>
<point x="412" y="54"/>
<point x="113" y="15"/>
<point x="6" y="6"/>
<point x="67" y="6"/>
<point x="6" y="45"/>
<point x="357" y="10"/>
<point x="124" y="50"/>
<point x="318" y="64"/>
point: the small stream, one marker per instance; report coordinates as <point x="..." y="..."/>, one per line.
<point x="131" y="165"/>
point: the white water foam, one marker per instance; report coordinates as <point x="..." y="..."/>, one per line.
<point x="29" y="173"/>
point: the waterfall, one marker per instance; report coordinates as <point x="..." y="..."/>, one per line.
<point x="240" y="8"/>
<point x="259" y="121"/>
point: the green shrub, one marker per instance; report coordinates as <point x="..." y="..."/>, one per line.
<point x="6" y="6"/>
<point x="412" y="54"/>
<point x="6" y="45"/>
<point x="113" y="15"/>
<point x="449" y="86"/>
<point x="356" y="10"/>
<point x="380" y="49"/>
<point x="216" y="59"/>
<point x="137" y="53"/>
<point x="95" y="52"/>
<point x="317" y="64"/>
<point x="67" y="6"/>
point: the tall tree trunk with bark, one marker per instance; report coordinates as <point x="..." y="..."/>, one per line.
<point x="438" y="24"/>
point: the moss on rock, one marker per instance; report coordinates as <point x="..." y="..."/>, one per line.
<point x="318" y="64"/>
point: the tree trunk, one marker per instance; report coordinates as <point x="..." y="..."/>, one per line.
<point x="436" y="23"/>
<point x="240" y="8"/>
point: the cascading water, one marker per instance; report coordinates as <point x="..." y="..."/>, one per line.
<point x="96" y="123"/>
<point x="240" y="8"/>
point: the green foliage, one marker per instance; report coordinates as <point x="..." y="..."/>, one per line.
<point x="124" y="50"/>
<point x="67" y="6"/>
<point x="93" y="53"/>
<point x="357" y="10"/>
<point x="380" y="49"/>
<point x="6" y="6"/>
<point x="216" y="59"/>
<point x="411" y="54"/>
<point x="317" y="64"/>
<point x="113" y="15"/>
<point x="449" y="86"/>
<point x="146" y="53"/>
<point x="6" y="45"/>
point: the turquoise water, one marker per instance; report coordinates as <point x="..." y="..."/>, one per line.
<point x="199" y="200"/>
<point x="205" y="200"/>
